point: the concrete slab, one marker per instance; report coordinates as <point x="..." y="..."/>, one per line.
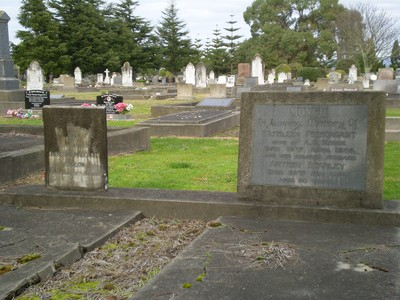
<point x="60" y="235"/>
<point x="330" y="262"/>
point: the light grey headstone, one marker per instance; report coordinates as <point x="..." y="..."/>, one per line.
<point x="99" y="78"/>
<point x="190" y="74"/>
<point x="216" y="102"/>
<point x="78" y="75"/>
<point x="282" y="77"/>
<point x="126" y="71"/>
<point x="34" y="77"/>
<point x="201" y="75"/>
<point x="257" y="68"/>
<point x="353" y="73"/>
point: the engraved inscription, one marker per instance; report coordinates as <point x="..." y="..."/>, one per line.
<point x="321" y="146"/>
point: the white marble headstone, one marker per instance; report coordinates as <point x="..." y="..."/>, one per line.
<point x="34" y="77"/>
<point x="257" y="68"/>
<point x="126" y="71"/>
<point x="190" y="74"/>
<point x="78" y="75"/>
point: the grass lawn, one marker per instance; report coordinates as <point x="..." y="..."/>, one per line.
<point x="393" y="112"/>
<point x="207" y="164"/>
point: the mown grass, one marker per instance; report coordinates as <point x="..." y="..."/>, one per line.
<point x="179" y="164"/>
<point x="393" y="112"/>
<point x="208" y="165"/>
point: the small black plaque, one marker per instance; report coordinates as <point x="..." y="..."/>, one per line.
<point x="109" y="101"/>
<point x="35" y="99"/>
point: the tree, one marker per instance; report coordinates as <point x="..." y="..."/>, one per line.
<point x="40" y="41"/>
<point x="175" y="46"/>
<point x="232" y="42"/>
<point x="217" y="56"/>
<point x="293" y="30"/>
<point x="142" y="43"/>
<point x="395" y="57"/>
<point x="370" y="35"/>
<point x="84" y="29"/>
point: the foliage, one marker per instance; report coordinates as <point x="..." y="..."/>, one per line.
<point x="345" y="64"/>
<point x="295" y="67"/>
<point x="310" y="73"/>
<point x="283" y="68"/>
<point x="231" y="42"/>
<point x="217" y="57"/>
<point x="292" y="30"/>
<point x="395" y="58"/>
<point x="176" y="47"/>
<point x="366" y="34"/>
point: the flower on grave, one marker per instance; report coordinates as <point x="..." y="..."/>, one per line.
<point x="88" y="105"/>
<point x="123" y="108"/>
<point x="20" y="114"/>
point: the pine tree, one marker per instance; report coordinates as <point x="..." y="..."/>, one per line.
<point x="217" y="55"/>
<point x="40" y="41"/>
<point x="232" y="42"/>
<point x="395" y="58"/>
<point x="176" y="47"/>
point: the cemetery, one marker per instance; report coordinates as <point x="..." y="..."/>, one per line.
<point x="307" y="186"/>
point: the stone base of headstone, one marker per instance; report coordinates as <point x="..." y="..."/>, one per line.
<point x="12" y="96"/>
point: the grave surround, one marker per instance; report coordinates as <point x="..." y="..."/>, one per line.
<point x="312" y="148"/>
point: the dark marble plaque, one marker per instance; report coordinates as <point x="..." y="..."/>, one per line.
<point x="109" y="100"/>
<point x="322" y="146"/>
<point x="75" y="148"/>
<point x="35" y="99"/>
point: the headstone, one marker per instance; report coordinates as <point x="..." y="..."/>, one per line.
<point x="190" y="74"/>
<point x="211" y="77"/>
<point x="353" y="73"/>
<point x="78" y="76"/>
<point x="323" y="84"/>
<point x="222" y="79"/>
<point x="231" y="81"/>
<point x="7" y="79"/>
<point x="271" y="78"/>
<point x="385" y="74"/>
<point x="126" y="71"/>
<point x="334" y="77"/>
<point x="282" y="77"/>
<point x="184" y="91"/>
<point x="317" y="148"/>
<point x="250" y="81"/>
<point x="244" y="71"/>
<point x="69" y="82"/>
<point x="99" y="80"/>
<point x="112" y="80"/>
<point x="75" y="148"/>
<point x="366" y="83"/>
<point x="387" y="86"/>
<point x="34" y="77"/>
<point x="107" y="78"/>
<point x="109" y="101"/>
<point x="217" y="90"/>
<point x="35" y="99"/>
<point x="307" y="82"/>
<point x="257" y="68"/>
<point x="201" y="75"/>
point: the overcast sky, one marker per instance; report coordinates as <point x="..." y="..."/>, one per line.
<point x="201" y="16"/>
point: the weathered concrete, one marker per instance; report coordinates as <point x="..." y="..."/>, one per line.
<point x="61" y="236"/>
<point x="197" y="205"/>
<point x="329" y="262"/>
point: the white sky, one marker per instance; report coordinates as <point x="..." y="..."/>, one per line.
<point x="201" y="16"/>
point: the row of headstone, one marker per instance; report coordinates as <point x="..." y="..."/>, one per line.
<point x="197" y="76"/>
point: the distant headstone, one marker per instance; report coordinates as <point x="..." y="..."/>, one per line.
<point x="107" y="79"/>
<point x="222" y="79"/>
<point x="271" y="78"/>
<point x="78" y="76"/>
<point x="334" y="77"/>
<point x="244" y="71"/>
<point x="126" y="71"/>
<point x="217" y="90"/>
<point x="35" y="99"/>
<point x="99" y="80"/>
<point x="75" y="148"/>
<point x="184" y="91"/>
<point x="323" y="84"/>
<point x="250" y="81"/>
<point x="201" y="75"/>
<point x="387" y="86"/>
<point x="231" y="81"/>
<point x="109" y="101"/>
<point x="7" y="79"/>
<point x="385" y="74"/>
<point x="353" y="72"/>
<point x="211" y="77"/>
<point x="257" y="68"/>
<point x="190" y="74"/>
<point x="282" y="77"/>
<point x="317" y="148"/>
<point x="69" y="82"/>
<point x="34" y="77"/>
<point x="307" y="82"/>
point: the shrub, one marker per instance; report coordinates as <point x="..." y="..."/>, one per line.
<point x="282" y="68"/>
<point x="345" y="64"/>
<point x="295" y="68"/>
<point x="311" y="73"/>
